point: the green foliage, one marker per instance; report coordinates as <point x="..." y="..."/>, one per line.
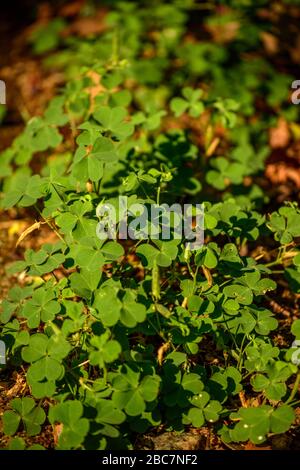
<point x="189" y="103"/>
<point x="115" y="336"/>
<point x="285" y="224"/>
<point x="75" y="427"/>
<point x="23" y="411"/>
<point x="255" y="423"/>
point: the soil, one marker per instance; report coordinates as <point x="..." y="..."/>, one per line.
<point x="29" y="89"/>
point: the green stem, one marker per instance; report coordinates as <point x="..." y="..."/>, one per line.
<point x="273" y="263"/>
<point x="104" y="373"/>
<point x="195" y="279"/>
<point x="158" y="196"/>
<point x="58" y="193"/>
<point x="115" y="47"/>
<point x="48" y="223"/>
<point x="241" y="353"/>
<point x="295" y="389"/>
<point x="55" y="328"/>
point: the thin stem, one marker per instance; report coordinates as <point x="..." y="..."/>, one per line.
<point x="241" y="353"/>
<point x="295" y="389"/>
<point x="158" y="196"/>
<point x="49" y="224"/>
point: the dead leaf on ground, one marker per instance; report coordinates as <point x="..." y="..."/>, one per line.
<point x="18" y="387"/>
<point x="280" y="173"/>
<point x="84" y="27"/>
<point x="163" y="349"/>
<point x="250" y="446"/>
<point x="57" y="430"/>
<point x="224" y="33"/>
<point x="72" y="8"/>
<point x="35" y="226"/>
<point x="270" y="42"/>
<point x="279" y="135"/>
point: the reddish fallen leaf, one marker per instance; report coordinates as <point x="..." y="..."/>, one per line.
<point x="250" y="446"/>
<point x="280" y="135"/>
<point x="87" y="26"/>
<point x="270" y="42"/>
<point x="57" y="430"/>
<point x="72" y="9"/>
<point x="224" y="33"/>
<point x="279" y="173"/>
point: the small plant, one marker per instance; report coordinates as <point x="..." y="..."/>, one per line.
<point x="114" y="336"/>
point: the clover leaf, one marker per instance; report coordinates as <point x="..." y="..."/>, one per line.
<point x="273" y="383"/>
<point x="203" y="409"/>
<point x="285" y="224"/>
<point x="163" y="253"/>
<point x="113" y="305"/>
<point x="106" y="350"/>
<point x="74" y="426"/>
<point x="113" y="120"/>
<point x="109" y="416"/>
<point x="242" y="294"/>
<point x="27" y="190"/>
<point x="45" y="356"/>
<point x="23" y="410"/>
<point x="131" y="392"/>
<point x="190" y="102"/>
<point x="260" y="355"/>
<point x="256" y="423"/>
<point x="42" y="307"/>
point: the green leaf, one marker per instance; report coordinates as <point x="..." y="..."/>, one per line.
<point x="241" y="294"/>
<point x="23" y="409"/>
<point x="75" y="427"/>
<point x="103" y="150"/>
<point x="296" y="329"/>
<point x="112" y="119"/>
<point x="132" y="313"/>
<point x="107" y="350"/>
<point x="42" y="307"/>
<point x="11" y="422"/>
<point x="281" y="419"/>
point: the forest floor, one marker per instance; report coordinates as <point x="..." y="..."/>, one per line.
<point x="29" y="88"/>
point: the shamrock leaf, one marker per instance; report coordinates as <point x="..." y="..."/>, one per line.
<point x="113" y="305"/>
<point x="224" y="383"/>
<point x="226" y="109"/>
<point x="109" y="416"/>
<point x="75" y="427"/>
<point x="46" y="260"/>
<point x="163" y="253"/>
<point x="285" y="224"/>
<point x="224" y="173"/>
<point x="203" y="409"/>
<point x="113" y="120"/>
<point x="260" y="355"/>
<point x="273" y="384"/>
<point x="23" y="409"/>
<point x="256" y="423"/>
<point x="27" y="190"/>
<point x="182" y="388"/>
<point x="89" y="160"/>
<point x="190" y="102"/>
<point x="45" y="355"/>
<point x="132" y="393"/>
<point x="106" y="350"/>
<point x="42" y="307"/>
<point x="54" y="113"/>
<point x="241" y="294"/>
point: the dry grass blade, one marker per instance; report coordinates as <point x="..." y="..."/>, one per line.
<point x="35" y="226"/>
